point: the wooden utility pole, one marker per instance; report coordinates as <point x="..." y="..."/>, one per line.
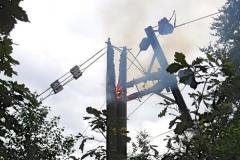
<point x="122" y="106"/>
<point x="111" y="145"/>
<point x="169" y="80"/>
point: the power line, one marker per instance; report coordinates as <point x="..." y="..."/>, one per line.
<point x="142" y="71"/>
<point x="194" y="20"/>
<point x="70" y="77"/>
<point x="161" y="134"/>
<point x="119" y="50"/>
<point x="197" y="19"/>
<point x="92" y="56"/>
<point x="94" y="61"/>
<point x="67" y="81"/>
<point x="139" y="106"/>
<point x="83" y="70"/>
<point x="50" y="94"/>
<point x="135" y="59"/>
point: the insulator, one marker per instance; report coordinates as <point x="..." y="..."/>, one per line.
<point x="76" y="72"/>
<point x="56" y="86"/>
<point x="144" y="44"/>
<point x="165" y="27"/>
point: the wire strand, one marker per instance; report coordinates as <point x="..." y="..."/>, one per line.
<point x="44" y="92"/>
<point x="69" y="72"/>
<point x="119" y="50"/>
<point x="197" y="19"/>
<point x="142" y="71"/>
<point x="139" y="106"/>
<point x="194" y="20"/>
<point x="135" y="59"/>
<point x="50" y="94"/>
<point x="93" y="61"/>
<point x="67" y="81"/>
<point x="161" y="134"/>
<point x="92" y="57"/>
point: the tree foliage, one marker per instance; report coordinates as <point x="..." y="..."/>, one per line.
<point x="25" y="134"/>
<point x="98" y="123"/>
<point x="215" y="80"/>
<point x="142" y="149"/>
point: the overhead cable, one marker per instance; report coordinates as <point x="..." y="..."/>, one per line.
<point x="139" y="106"/>
<point x="161" y="134"/>
<point x="60" y="82"/>
<point x="132" y="63"/>
<point x="194" y="20"/>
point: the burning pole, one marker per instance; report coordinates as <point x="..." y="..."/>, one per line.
<point x="111" y="145"/>
<point x="121" y="92"/>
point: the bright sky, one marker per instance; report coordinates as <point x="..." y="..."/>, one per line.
<point x="63" y="33"/>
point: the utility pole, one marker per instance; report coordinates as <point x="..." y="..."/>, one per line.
<point x="111" y="145"/>
<point x="122" y="106"/>
<point x="170" y="80"/>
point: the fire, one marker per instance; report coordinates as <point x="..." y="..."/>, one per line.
<point x="118" y="90"/>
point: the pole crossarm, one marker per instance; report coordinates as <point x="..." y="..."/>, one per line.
<point x="158" y="87"/>
<point x="161" y="75"/>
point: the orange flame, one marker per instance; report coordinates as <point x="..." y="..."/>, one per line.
<point x="118" y="90"/>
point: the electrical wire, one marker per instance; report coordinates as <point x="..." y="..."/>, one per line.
<point x="119" y="50"/>
<point x="142" y="71"/>
<point x="138" y="53"/>
<point x="92" y="57"/>
<point x="161" y="134"/>
<point x="82" y="70"/>
<point x="93" y="62"/>
<point x="194" y="20"/>
<point x="135" y="59"/>
<point x="70" y="76"/>
<point x="197" y="19"/>
<point x="44" y="92"/>
<point x="50" y="94"/>
<point x="139" y="106"/>
<point x="67" y="81"/>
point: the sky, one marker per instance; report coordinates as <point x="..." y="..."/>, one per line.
<point x="64" y="33"/>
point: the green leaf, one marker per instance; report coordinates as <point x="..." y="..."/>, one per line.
<point x="180" y="58"/>
<point x="86" y="118"/>
<point x="81" y="147"/>
<point x="180" y="128"/>
<point x="93" y="111"/>
<point x="172" y="122"/>
<point x="162" y="113"/>
<point x="210" y="58"/>
<point x="202" y="68"/>
<point x="174" y="67"/>
<point x="187" y="77"/>
<point x="197" y="61"/>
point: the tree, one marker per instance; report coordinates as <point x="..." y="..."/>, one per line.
<point x="98" y="123"/>
<point x="215" y="80"/>
<point x="25" y="134"/>
<point x="143" y="149"/>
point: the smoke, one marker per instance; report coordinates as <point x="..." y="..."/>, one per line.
<point x="124" y="22"/>
<point x="177" y="42"/>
